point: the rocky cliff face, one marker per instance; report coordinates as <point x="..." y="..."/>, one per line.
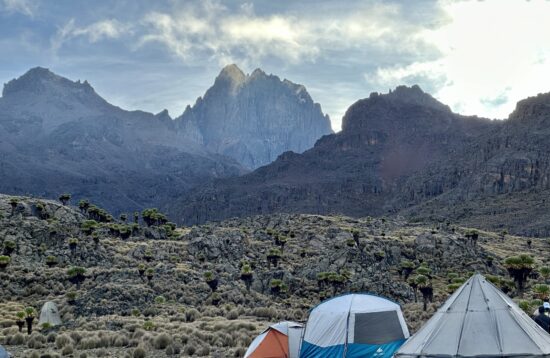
<point x="254" y="118"/>
<point x="404" y="152"/>
<point x="60" y="136"/>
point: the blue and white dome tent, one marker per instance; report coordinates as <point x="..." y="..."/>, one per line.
<point x="354" y="325"/>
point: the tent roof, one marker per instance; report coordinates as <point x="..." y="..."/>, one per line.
<point x="270" y="344"/>
<point x="356" y="303"/>
<point x="280" y="327"/>
<point x="478" y="320"/>
<point x="284" y="326"/>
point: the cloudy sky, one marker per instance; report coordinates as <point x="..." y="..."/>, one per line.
<point x="479" y="57"/>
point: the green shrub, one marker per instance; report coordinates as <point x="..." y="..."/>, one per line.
<point x="51" y="261"/>
<point x="75" y="271"/>
<point x="71" y="296"/>
<point x="4" y="261"/>
<point x="88" y="226"/>
<point x="148" y="325"/>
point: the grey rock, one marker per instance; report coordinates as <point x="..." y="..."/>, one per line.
<point x="254" y="118"/>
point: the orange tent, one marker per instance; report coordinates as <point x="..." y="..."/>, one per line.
<point x="280" y="340"/>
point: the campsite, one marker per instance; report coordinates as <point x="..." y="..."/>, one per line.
<point x="275" y="179"/>
<point x="196" y="297"/>
<point x="478" y="320"/>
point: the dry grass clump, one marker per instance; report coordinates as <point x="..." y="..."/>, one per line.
<point x="139" y="352"/>
<point x="173" y="349"/>
<point x="63" y="340"/>
<point x="265" y="312"/>
<point x="51" y="337"/>
<point x="162" y="341"/>
<point x="192" y="315"/>
<point x="67" y="350"/>
<point x="203" y="351"/>
<point x="232" y="315"/>
<point x="15" y="340"/>
<point x="190" y="349"/>
<point x="36" y="341"/>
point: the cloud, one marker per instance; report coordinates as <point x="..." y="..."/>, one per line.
<point x="320" y="44"/>
<point x="240" y="35"/>
<point x="25" y="7"/>
<point x="493" y="53"/>
<point x="496" y="101"/>
<point x="97" y="31"/>
<point x="479" y="57"/>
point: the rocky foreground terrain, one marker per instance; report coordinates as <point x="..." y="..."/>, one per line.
<point x="150" y="289"/>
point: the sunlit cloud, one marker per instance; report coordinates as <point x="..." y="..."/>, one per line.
<point x="208" y="28"/>
<point x="493" y="53"/>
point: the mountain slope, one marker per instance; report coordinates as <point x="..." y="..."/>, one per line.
<point x="60" y="136"/>
<point x="384" y="138"/>
<point x="500" y="181"/>
<point x="254" y="118"/>
<point x="405" y="153"/>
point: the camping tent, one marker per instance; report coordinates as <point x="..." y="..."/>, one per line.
<point x="49" y="314"/>
<point x="3" y="353"/>
<point x="354" y="325"/>
<point x="281" y="340"/>
<point x="478" y="320"/>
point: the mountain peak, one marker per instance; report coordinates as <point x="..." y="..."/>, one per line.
<point x="40" y="72"/>
<point x="232" y="73"/>
<point x="253" y="118"/>
<point x="415" y="95"/>
<point x="258" y="73"/>
<point x="532" y="108"/>
<point x="39" y="80"/>
<point x="164" y="115"/>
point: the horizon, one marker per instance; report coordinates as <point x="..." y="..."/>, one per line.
<point x="143" y="56"/>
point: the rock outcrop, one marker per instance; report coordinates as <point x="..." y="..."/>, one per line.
<point x="254" y="118"/>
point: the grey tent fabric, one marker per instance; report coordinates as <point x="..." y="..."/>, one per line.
<point x="49" y="314"/>
<point x="478" y="320"/>
<point x="3" y="353"/>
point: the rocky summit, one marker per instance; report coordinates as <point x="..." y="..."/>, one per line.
<point x="254" y="118"/>
<point x="143" y="287"/>
<point x="403" y="153"/>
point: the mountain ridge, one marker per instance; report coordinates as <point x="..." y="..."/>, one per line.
<point x="401" y="152"/>
<point x="59" y="135"/>
<point x="253" y="118"/>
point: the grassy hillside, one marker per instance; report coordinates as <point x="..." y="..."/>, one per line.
<point x="129" y="289"/>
